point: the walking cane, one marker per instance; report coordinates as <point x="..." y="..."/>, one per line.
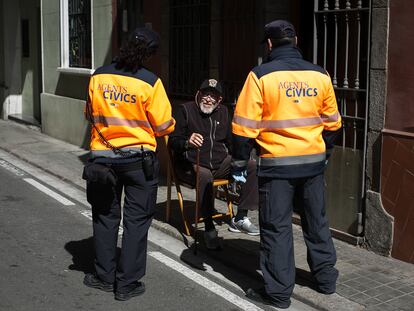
<point x="197" y="200"/>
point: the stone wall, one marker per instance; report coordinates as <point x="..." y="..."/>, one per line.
<point x="378" y="223"/>
<point x="75" y="128"/>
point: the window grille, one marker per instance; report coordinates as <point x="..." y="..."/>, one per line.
<point x="342" y="48"/>
<point x="79" y="13"/>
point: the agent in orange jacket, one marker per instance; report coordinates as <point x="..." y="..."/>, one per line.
<point x="128" y="108"/>
<point x="288" y="107"/>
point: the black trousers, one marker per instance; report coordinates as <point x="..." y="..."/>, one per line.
<point x="138" y="211"/>
<point x="277" y="261"/>
<point x="249" y="195"/>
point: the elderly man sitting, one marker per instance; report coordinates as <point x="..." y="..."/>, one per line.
<point x="205" y="125"/>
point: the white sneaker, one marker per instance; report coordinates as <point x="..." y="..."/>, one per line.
<point x="244" y="225"/>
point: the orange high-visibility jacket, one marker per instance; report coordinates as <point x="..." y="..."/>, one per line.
<point x="288" y="106"/>
<point x="129" y="109"/>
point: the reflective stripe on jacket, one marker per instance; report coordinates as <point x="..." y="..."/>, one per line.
<point x="286" y="105"/>
<point x="129" y="109"/>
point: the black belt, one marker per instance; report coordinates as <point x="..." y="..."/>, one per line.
<point x="125" y="167"/>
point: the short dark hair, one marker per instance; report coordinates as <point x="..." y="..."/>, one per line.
<point x="141" y="44"/>
<point x="283" y="41"/>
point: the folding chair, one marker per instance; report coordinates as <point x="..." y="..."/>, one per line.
<point x="172" y="177"/>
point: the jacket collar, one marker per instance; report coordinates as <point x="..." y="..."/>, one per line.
<point x="286" y="51"/>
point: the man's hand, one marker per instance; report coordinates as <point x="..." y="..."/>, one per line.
<point x="195" y="140"/>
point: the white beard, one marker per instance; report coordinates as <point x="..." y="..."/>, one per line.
<point x="207" y="109"/>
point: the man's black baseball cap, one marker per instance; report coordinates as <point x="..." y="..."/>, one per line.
<point x="278" y="29"/>
<point x="147" y="35"/>
<point x="213" y="85"/>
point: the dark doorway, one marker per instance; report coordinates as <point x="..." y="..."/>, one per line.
<point x="239" y="45"/>
<point x="189" y="46"/>
<point x="303" y="21"/>
<point x="31" y="63"/>
<point x="2" y="73"/>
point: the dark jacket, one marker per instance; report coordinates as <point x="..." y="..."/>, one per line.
<point x="215" y="129"/>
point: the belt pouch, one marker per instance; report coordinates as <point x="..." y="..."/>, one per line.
<point x="99" y="173"/>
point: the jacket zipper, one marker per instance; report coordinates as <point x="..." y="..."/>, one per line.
<point x="211" y="139"/>
<point x="215" y="129"/>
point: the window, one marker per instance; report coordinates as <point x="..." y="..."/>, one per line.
<point x="76" y="40"/>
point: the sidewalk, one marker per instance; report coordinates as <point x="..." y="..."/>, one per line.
<point x="366" y="280"/>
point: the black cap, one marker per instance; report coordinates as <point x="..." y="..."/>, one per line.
<point x="279" y="29"/>
<point x="211" y="84"/>
<point x="149" y="36"/>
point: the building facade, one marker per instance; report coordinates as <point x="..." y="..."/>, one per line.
<point x="49" y="48"/>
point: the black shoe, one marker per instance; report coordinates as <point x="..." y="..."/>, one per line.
<point x="211" y="240"/>
<point x="261" y="296"/>
<point x="325" y="281"/>
<point x="137" y="289"/>
<point x="92" y="280"/>
<point x="326" y="289"/>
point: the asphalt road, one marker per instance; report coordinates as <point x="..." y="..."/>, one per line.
<point x="46" y="248"/>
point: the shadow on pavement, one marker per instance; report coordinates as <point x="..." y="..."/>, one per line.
<point x="82" y="255"/>
<point x="237" y="253"/>
<point x="226" y="259"/>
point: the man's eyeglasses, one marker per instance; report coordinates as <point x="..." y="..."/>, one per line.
<point x="214" y="96"/>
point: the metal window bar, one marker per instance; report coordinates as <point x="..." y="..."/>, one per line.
<point x="325" y="33"/>
<point x="80" y="54"/>
<point x="346" y="84"/>
<point x="359" y="6"/>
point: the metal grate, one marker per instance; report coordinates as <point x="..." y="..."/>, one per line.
<point x="189" y="46"/>
<point x="342" y="48"/>
<point x="80" y="33"/>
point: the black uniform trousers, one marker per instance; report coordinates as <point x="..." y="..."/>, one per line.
<point x="277" y="260"/>
<point x="249" y="196"/>
<point x="138" y="211"/>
